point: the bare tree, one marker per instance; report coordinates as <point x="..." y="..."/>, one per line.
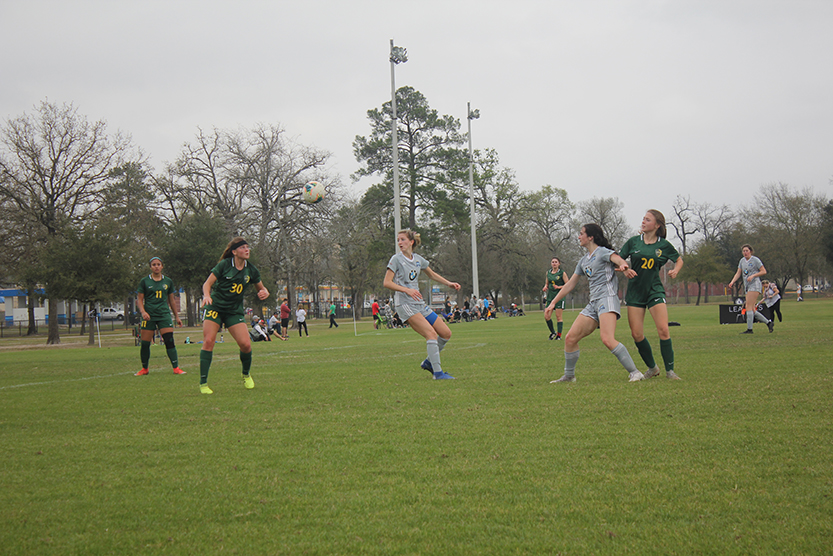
<point x="52" y="168"/>
<point x="711" y="220"/>
<point x="607" y="213"/>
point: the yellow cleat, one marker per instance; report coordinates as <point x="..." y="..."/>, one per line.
<point x="248" y="382"/>
<point x="204" y="389"/>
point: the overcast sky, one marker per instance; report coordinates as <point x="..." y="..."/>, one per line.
<point x="642" y="100"/>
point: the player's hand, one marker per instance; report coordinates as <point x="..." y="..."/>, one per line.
<point x="623" y="267"/>
<point x="206" y="300"/>
<point x="545" y="288"/>
<point x="455" y="285"/>
<point x="262" y="294"/>
<point x="673" y="273"/>
<point x="414" y="294"/>
<point x="630" y="273"/>
<point x="145" y="316"/>
<point x="548" y="312"/>
<point x="179" y="322"/>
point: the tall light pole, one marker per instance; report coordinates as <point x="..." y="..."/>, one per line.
<point x="475" y="279"/>
<point x="398" y="55"/>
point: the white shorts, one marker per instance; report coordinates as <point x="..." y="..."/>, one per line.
<point x="407" y="311"/>
<point x="600" y="306"/>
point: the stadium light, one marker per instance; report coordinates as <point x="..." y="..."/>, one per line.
<point x="398" y="55"/>
<point x="475" y="279"/>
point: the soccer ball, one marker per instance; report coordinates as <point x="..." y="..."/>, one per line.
<point x="313" y="192"/>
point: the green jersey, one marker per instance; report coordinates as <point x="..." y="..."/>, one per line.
<point x="554" y="279"/>
<point x="156" y="296"/>
<point x="646" y="259"/>
<point x="227" y="294"/>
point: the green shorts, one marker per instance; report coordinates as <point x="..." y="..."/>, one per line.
<point x="550" y="297"/>
<point x="653" y="300"/>
<point x="158" y="323"/>
<point x="226" y="318"/>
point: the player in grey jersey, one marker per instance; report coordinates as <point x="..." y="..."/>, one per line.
<point x="402" y="276"/>
<point x="752" y="269"/>
<point x="599" y="265"/>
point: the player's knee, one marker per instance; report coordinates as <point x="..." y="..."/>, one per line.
<point x="168" y="338"/>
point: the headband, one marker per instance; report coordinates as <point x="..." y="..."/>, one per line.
<point x="237" y="244"/>
<point x="154" y="259"/>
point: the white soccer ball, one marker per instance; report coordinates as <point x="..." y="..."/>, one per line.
<point x="313" y="192"/>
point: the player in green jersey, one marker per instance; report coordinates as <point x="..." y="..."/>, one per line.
<point x="222" y="299"/>
<point x="155" y="302"/>
<point x="648" y="253"/>
<point x="556" y="278"/>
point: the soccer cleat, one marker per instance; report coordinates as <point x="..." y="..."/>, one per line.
<point x="248" y="382"/>
<point x="672" y="375"/>
<point x="204" y="389"/>
<point x="564" y="378"/>
<point x="552" y="336"/>
<point x="179" y="371"/>
<point x="747" y="331"/>
<point x="635" y="376"/>
<point x="428" y="366"/>
<point x="443" y="376"/>
<point x="558" y="336"/>
<point x="651" y="373"/>
<point x="143" y="372"/>
<point x="771" y="326"/>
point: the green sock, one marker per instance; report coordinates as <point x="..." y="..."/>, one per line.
<point x="205" y="364"/>
<point x="560" y="327"/>
<point x="646" y="353"/>
<point x="246" y="359"/>
<point x="144" y="353"/>
<point x="549" y="324"/>
<point x="667" y="352"/>
<point x="172" y="355"/>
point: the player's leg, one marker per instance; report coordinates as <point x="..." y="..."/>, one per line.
<point x="170" y="349"/>
<point x="583" y="326"/>
<point x="144" y="350"/>
<point x="240" y="333"/>
<point x="548" y="318"/>
<point x="559" y="318"/>
<point x="751" y="302"/>
<point x="636" y="322"/>
<point x="659" y="313"/>
<point x="423" y="326"/>
<point x="210" y="328"/>
<point x="607" y="331"/>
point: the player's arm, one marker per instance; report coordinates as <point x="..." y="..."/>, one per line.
<point x="620" y="263"/>
<point x="262" y="292"/>
<point x="173" y="309"/>
<point x="437" y="278"/>
<point x="562" y="293"/>
<point x="206" y="289"/>
<point x="735" y="278"/>
<point x="678" y="266"/>
<point x="140" y="305"/>
<point x="758" y="274"/>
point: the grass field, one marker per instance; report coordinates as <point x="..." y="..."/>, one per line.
<point x="345" y="446"/>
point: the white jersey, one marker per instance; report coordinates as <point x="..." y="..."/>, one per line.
<point x="600" y="272"/>
<point x="300" y="315"/>
<point x="752" y="266"/>
<point x="406" y="273"/>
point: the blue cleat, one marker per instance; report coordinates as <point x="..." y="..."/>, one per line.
<point x="428" y="366"/>
<point x="443" y="376"/>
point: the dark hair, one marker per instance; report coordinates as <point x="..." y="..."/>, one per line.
<point x="554" y="258"/>
<point x="660" y="218"/>
<point x="595" y="231"/>
<point x="232" y="245"/>
<point x="750" y="248"/>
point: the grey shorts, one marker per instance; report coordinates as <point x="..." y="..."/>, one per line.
<point x="600" y="306"/>
<point x="754" y="286"/>
<point x="407" y="311"/>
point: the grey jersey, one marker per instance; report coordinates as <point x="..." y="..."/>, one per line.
<point x="747" y="268"/>
<point x="600" y="272"/>
<point x="406" y="273"/>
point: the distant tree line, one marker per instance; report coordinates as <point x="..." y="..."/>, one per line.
<point x="82" y="212"/>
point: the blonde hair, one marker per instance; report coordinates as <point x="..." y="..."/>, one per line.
<point x="412" y="235"/>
